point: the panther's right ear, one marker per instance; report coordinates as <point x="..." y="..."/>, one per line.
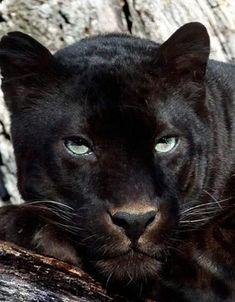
<point x="20" y="54"/>
<point x="22" y="61"/>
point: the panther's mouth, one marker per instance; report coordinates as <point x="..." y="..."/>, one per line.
<point x="130" y="265"/>
<point x="132" y="253"/>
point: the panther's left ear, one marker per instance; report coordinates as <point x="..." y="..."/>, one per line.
<point x="186" y="52"/>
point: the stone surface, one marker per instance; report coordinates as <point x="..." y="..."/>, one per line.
<point x="157" y="19"/>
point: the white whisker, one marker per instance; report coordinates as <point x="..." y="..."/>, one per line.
<point x="52" y="202"/>
<point x="217" y="202"/>
<point x="206" y="204"/>
<point x="194" y="220"/>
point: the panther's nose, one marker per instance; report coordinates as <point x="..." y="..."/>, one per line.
<point x="133" y="224"/>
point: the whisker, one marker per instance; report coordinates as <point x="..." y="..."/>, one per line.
<point x="200" y="213"/>
<point x="206" y="204"/>
<point x="217" y="202"/>
<point x="175" y="249"/>
<point x="87" y="238"/>
<point x="51" y="202"/>
<point x="194" y="220"/>
<point x="187" y="230"/>
<point x="108" y="279"/>
<point x="131" y="279"/>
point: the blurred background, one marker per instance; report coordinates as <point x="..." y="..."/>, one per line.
<point x="57" y="23"/>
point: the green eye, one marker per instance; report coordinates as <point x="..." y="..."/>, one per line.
<point x="77" y="146"/>
<point x="166" y="144"/>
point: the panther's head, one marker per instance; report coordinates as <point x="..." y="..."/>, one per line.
<point x="113" y="126"/>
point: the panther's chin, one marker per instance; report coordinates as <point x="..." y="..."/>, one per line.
<point x="130" y="268"/>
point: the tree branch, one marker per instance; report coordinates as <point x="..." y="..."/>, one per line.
<point x="26" y="276"/>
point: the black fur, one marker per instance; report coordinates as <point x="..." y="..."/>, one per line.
<point x="122" y="94"/>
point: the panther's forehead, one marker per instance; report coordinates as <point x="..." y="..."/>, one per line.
<point x="109" y="48"/>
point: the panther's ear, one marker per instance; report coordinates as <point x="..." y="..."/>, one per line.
<point x="20" y="54"/>
<point x="186" y="52"/>
<point x="23" y="60"/>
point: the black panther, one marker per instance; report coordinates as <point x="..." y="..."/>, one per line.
<point x="125" y="160"/>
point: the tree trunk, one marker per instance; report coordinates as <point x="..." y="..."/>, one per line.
<point x="57" y="23"/>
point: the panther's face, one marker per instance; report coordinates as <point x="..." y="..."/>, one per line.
<point x="113" y="128"/>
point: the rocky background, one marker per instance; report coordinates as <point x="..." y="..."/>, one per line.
<point x="57" y="23"/>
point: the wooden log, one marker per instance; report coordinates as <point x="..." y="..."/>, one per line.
<point x="26" y="276"/>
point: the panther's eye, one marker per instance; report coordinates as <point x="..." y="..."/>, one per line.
<point x="166" y="144"/>
<point x="77" y="146"/>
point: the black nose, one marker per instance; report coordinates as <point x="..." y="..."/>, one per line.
<point x="133" y="224"/>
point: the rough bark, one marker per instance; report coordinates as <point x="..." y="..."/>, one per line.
<point x="27" y="277"/>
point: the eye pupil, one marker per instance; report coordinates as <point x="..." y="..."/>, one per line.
<point x="165" y="140"/>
